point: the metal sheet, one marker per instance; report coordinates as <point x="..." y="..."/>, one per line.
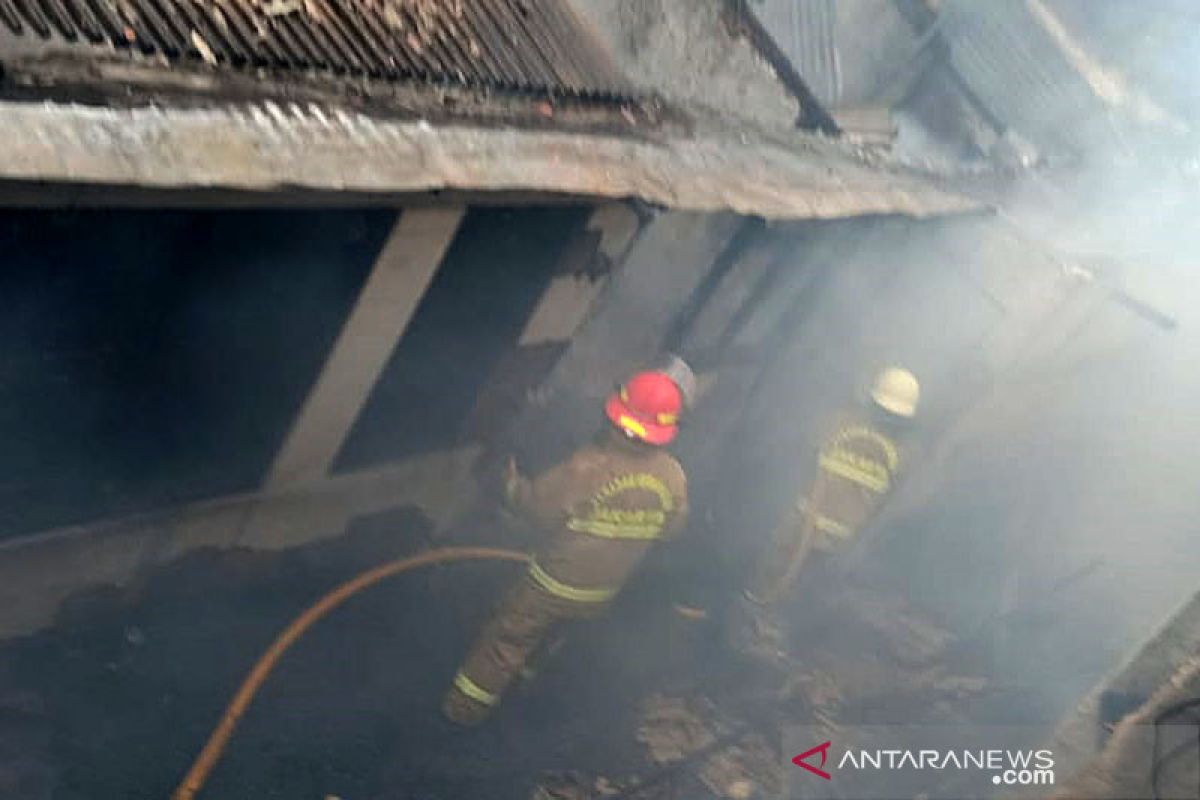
<point x="1022" y="77"/>
<point x="805" y="30"/>
<point x="521" y="45"/>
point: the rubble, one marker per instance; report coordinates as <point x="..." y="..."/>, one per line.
<point x="908" y="637"/>
<point x="750" y="768"/>
<point x="573" y="786"/>
<point x="676" y="728"/>
<point x="885" y="656"/>
<point x="673" y="727"/>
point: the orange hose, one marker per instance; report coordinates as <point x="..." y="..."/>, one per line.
<point x="193" y="782"/>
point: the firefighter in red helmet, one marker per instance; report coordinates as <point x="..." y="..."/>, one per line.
<point x="600" y="512"/>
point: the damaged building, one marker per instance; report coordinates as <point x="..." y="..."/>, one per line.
<point x="286" y="283"/>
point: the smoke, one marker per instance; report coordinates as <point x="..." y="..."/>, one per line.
<point x="1079" y="465"/>
<point x="1046" y="519"/>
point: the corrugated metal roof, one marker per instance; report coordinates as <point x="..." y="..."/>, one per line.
<point x="1023" y="77"/>
<point x="275" y="147"/>
<point x="521" y="45"/>
<point x="805" y="31"/>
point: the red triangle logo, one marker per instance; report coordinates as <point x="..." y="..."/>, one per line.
<point x="800" y="760"/>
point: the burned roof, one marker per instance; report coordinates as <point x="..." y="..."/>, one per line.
<point x="504" y="45"/>
<point x="390" y="98"/>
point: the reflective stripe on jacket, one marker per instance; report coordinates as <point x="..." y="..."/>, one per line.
<point x="552" y="585"/>
<point x="471" y="689"/>
<point x="601" y="510"/>
<point x="607" y="513"/>
<point x="858" y="465"/>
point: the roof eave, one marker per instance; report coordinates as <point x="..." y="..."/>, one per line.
<point x="271" y="148"/>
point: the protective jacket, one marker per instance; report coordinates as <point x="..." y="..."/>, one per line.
<point x="857" y="466"/>
<point x="600" y="512"/>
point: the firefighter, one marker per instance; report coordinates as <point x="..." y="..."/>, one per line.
<point x="857" y="468"/>
<point x="601" y="511"/>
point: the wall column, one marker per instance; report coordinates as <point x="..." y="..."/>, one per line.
<point x="624" y="330"/>
<point x="393" y="290"/>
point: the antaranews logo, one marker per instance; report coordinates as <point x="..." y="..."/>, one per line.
<point x="801" y="760"/>
<point x="885" y="762"/>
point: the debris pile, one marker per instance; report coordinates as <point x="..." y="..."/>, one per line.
<point x="884" y="662"/>
<point x="573" y="786"/>
<point x="747" y="769"/>
<point x="734" y="762"/>
<point x="674" y="727"/>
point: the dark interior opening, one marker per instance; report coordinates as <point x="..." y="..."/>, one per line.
<point x="157" y="357"/>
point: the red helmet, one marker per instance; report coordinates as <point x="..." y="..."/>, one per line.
<point x="647" y="407"/>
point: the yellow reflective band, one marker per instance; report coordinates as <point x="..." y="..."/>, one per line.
<point x="667" y="419"/>
<point x="632" y="425"/>
<point x="823" y="523"/>
<point x="601" y="519"/>
<point x="836" y="463"/>
<point x="636" y="480"/>
<point x="472" y="690"/>
<point x="558" y="589"/>
<point x="614" y="530"/>
<point x="861" y="432"/>
<point x="832" y="526"/>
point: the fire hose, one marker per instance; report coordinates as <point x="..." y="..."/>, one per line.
<point x="196" y="776"/>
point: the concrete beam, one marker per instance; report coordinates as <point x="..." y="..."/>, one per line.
<point x="626" y="327"/>
<point x="398" y="281"/>
<point x="39" y="572"/>
<point x="663" y="268"/>
<point x="1171" y="651"/>
<point x="1127" y="764"/>
<point x="569" y="297"/>
<point x="299" y="149"/>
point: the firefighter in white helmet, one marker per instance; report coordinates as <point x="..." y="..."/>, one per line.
<point x="857" y="467"/>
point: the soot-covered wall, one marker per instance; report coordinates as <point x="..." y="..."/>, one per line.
<point x="151" y="358"/>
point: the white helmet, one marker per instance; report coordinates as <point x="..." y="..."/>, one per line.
<point x="896" y="391"/>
